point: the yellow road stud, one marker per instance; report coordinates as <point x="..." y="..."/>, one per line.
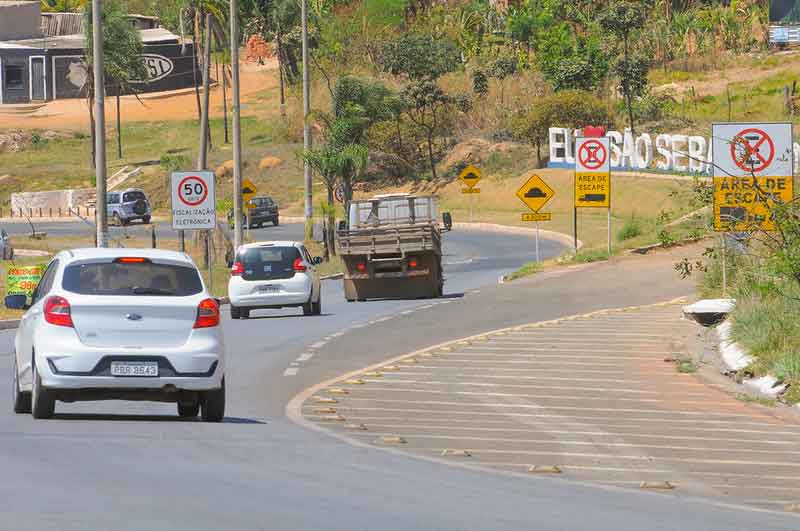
<point x="656" y="485"/>
<point x="456" y="453"/>
<point x="544" y="469"/>
<point x="338" y="391"/>
<point x="355" y="382"/>
<point x="325" y="400"/>
<point x="373" y="374"/>
<point x="390" y="439"/>
<point x="358" y="427"/>
<point x="321" y="410"/>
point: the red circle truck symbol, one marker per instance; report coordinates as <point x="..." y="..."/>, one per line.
<point x="752" y="150"/>
<point x="592" y="155"/>
<point x="192" y="190"/>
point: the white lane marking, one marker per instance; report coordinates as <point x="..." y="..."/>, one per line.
<point x="543" y="370"/>
<point x="596" y="418"/>
<point x="426" y="307"/>
<point x="494" y="356"/>
<point x="395" y="380"/>
<point x="612" y="424"/>
<point x="407" y="312"/>
<point x="598" y="444"/>
<point x="534" y="397"/>
<point x="649" y="458"/>
<point x="291" y="371"/>
<point x="536" y="361"/>
<point x="412" y="371"/>
<point x="501" y="405"/>
<point x="610" y="433"/>
<point x="318" y="345"/>
<point x="382" y="319"/>
<point x="305" y="357"/>
<point x="337" y="334"/>
<point x="555" y="348"/>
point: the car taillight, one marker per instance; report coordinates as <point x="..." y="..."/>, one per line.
<point x="237" y="269"/>
<point x="361" y="266"/>
<point x="412" y="263"/>
<point x="207" y="314"/>
<point x="299" y="265"/>
<point x="57" y="311"/>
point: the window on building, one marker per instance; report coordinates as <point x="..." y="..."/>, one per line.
<point x="14" y="76"/>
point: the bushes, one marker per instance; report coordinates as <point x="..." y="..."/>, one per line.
<point x="631" y="229"/>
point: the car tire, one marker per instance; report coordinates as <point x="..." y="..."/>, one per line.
<point x="245" y="314"/>
<point x="212" y="406"/>
<point x="146" y="220"/>
<point x="316" y="307"/>
<point x="308" y="308"/>
<point x="276" y="221"/>
<point x="236" y="313"/>
<point x="22" y="400"/>
<point x="43" y="403"/>
<point x="116" y="220"/>
<point x="189" y="410"/>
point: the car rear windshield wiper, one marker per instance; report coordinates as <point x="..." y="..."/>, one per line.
<point x="138" y="290"/>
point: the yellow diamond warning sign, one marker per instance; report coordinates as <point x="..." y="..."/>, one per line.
<point x="470" y="176"/>
<point x="535" y="193"/>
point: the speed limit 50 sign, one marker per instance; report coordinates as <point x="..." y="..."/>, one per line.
<point x="193" y="200"/>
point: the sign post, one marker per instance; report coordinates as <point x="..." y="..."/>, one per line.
<point x="753" y="172"/>
<point x="470" y="176"/>
<point x="248" y="193"/>
<point x="535" y="193"/>
<point x="592" y="179"/>
<point x="194" y="204"/>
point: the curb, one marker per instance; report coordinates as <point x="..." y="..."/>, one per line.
<point x="9" y="324"/>
<point x="560" y="237"/>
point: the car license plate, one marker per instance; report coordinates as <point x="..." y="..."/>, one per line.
<point x="134" y="368"/>
<point x="270" y="288"/>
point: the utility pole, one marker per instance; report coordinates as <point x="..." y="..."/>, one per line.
<point x="99" y="125"/>
<point x="238" y="237"/>
<point x="202" y="156"/>
<point x="309" y="212"/>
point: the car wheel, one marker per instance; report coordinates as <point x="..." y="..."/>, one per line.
<point x="22" y="400"/>
<point x="308" y="308"/>
<point x="116" y="220"/>
<point x="245" y="314"/>
<point x="236" y="313"/>
<point x="189" y="410"/>
<point x="146" y="220"/>
<point x="43" y="403"/>
<point x="316" y="308"/>
<point x="213" y="404"/>
<point x="276" y="221"/>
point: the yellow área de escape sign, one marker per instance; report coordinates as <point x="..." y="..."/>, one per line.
<point x="592" y="173"/>
<point x="753" y="172"/>
<point x="535" y="193"/>
<point x="470" y="176"/>
<point x="248" y="192"/>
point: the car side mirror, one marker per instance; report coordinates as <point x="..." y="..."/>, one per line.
<point x="447" y="221"/>
<point x="317" y="260"/>
<point x="17" y="302"/>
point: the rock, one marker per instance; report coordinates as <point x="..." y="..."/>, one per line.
<point x="226" y="169"/>
<point x="269" y="162"/>
<point x="475" y="151"/>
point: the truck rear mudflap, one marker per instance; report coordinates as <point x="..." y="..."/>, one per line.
<point x="390" y="287"/>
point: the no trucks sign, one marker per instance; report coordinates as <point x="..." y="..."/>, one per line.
<point x="753" y="172"/>
<point x="193" y="200"/>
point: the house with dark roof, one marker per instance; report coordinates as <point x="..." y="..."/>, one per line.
<point x="42" y="55"/>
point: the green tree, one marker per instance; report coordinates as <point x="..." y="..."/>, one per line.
<point x="427" y="105"/>
<point x="418" y="57"/>
<point x="122" y="48"/>
<point x="624" y="19"/>
<point x="569" y="108"/>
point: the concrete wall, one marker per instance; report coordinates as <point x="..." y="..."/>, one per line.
<point x="20" y="20"/>
<point x="55" y="199"/>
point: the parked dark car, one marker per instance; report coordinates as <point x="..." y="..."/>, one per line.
<point x="258" y="211"/>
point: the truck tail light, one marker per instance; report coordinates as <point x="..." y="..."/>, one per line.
<point x="57" y="311"/>
<point x="413" y="263"/>
<point x="207" y="314"/>
<point x="361" y="266"/>
<point x="237" y="269"/>
<point x="299" y="266"/>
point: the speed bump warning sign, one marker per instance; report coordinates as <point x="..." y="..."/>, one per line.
<point x="470" y="176"/>
<point x="592" y="173"/>
<point x="752" y="174"/>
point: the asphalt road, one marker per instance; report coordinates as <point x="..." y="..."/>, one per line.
<point x="135" y="466"/>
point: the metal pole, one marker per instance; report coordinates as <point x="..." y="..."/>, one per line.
<point x="470" y="207"/>
<point x="538" y="258"/>
<point x="575" y="227"/>
<point x="609" y="232"/>
<point x="202" y="156"/>
<point x="237" y="129"/>
<point x="309" y="213"/>
<point x="210" y="258"/>
<point x="99" y="125"/>
<point x="724" y="267"/>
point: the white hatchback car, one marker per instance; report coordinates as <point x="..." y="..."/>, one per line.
<point x="274" y="275"/>
<point x="120" y="324"/>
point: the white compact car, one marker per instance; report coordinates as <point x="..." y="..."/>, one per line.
<point x="274" y="275"/>
<point x="120" y="324"/>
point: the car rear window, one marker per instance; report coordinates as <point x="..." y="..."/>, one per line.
<point x="133" y="196"/>
<point x="141" y="279"/>
<point x="268" y="263"/>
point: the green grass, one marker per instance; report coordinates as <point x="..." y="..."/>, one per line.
<point x="530" y="268"/>
<point x="750" y="399"/>
<point x="631" y="228"/>
<point x="686" y="366"/>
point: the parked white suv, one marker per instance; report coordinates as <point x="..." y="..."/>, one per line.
<point x="120" y="324"/>
<point x="274" y="275"/>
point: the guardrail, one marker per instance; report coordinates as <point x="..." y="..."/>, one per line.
<point x="41" y="212"/>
